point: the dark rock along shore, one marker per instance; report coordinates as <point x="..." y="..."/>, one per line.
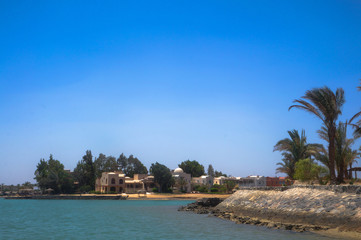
<point x="297" y="209"/>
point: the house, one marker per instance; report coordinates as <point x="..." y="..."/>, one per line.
<point x="110" y="182"/>
<point x="219" y="180"/>
<point x="117" y="182"/>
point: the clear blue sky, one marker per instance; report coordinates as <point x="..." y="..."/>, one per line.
<point x="168" y="81"/>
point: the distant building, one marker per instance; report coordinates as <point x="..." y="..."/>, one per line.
<point x="278" y="181"/>
<point x="117" y="182"/>
<point x="219" y="180"/>
<point x="110" y="182"/>
<point x="203" y="180"/>
<point x="250" y="181"/>
<point x="182" y="180"/>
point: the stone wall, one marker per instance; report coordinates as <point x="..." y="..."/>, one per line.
<point x="311" y="207"/>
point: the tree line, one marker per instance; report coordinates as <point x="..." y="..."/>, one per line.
<point x="299" y="158"/>
<point x="51" y="175"/>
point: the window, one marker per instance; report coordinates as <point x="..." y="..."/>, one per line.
<point x="113" y="181"/>
<point x="120" y="181"/>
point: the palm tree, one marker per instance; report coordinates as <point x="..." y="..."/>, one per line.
<point x="344" y="155"/>
<point x="287" y="165"/>
<point x="326" y="105"/>
<point x="294" y="149"/>
<point x="351" y="157"/>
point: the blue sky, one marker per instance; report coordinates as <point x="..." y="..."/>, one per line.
<point x="168" y="81"/>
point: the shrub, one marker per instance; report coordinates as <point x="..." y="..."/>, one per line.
<point x="214" y="190"/>
<point x="155" y="189"/>
<point x="306" y="170"/>
<point x="95" y="192"/>
<point x="201" y="188"/>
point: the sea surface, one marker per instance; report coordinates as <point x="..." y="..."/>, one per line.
<point x="129" y="219"/>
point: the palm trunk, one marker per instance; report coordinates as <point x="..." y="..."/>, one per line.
<point x="331" y="154"/>
<point x="346" y="172"/>
<point x="340" y="178"/>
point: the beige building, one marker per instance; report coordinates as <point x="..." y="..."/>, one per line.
<point x="117" y="182"/>
<point x="219" y="180"/>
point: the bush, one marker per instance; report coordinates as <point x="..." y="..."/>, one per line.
<point x="155" y="189"/>
<point x="306" y="170"/>
<point x="214" y="190"/>
<point x="201" y="188"/>
<point x="95" y="192"/>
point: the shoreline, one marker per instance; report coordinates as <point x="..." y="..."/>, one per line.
<point x="155" y="196"/>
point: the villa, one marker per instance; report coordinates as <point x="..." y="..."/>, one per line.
<point x="117" y="182"/>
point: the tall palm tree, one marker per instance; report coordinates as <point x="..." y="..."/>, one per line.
<point x="326" y="105"/>
<point x="344" y="155"/>
<point x="294" y="149"/>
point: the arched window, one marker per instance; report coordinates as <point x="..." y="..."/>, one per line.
<point x="120" y="181"/>
<point x="113" y="181"/>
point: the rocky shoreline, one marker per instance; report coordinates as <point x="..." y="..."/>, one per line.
<point x="296" y="209"/>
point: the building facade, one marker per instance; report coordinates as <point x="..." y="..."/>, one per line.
<point x="203" y="180"/>
<point x="182" y="181"/>
<point x="117" y="182"/>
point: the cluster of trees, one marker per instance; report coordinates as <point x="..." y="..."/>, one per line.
<point x="299" y="157"/>
<point x="50" y="174"/>
<point x="195" y="169"/>
<point x="15" y="188"/>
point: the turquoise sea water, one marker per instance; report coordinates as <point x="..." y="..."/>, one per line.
<point x="111" y="219"/>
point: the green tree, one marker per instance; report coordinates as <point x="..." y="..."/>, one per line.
<point x="192" y="167"/>
<point x="85" y="172"/>
<point x="162" y="176"/>
<point x="51" y="174"/>
<point x="307" y="170"/>
<point x="229" y="185"/>
<point x="27" y="185"/>
<point x="131" y="165"/>
<point x="326" y="105"/>
<point x="210" y="171"/>
<point x="293" y="149"/>
<point x="219" y="174"/>
<point x="104" y="164"/>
